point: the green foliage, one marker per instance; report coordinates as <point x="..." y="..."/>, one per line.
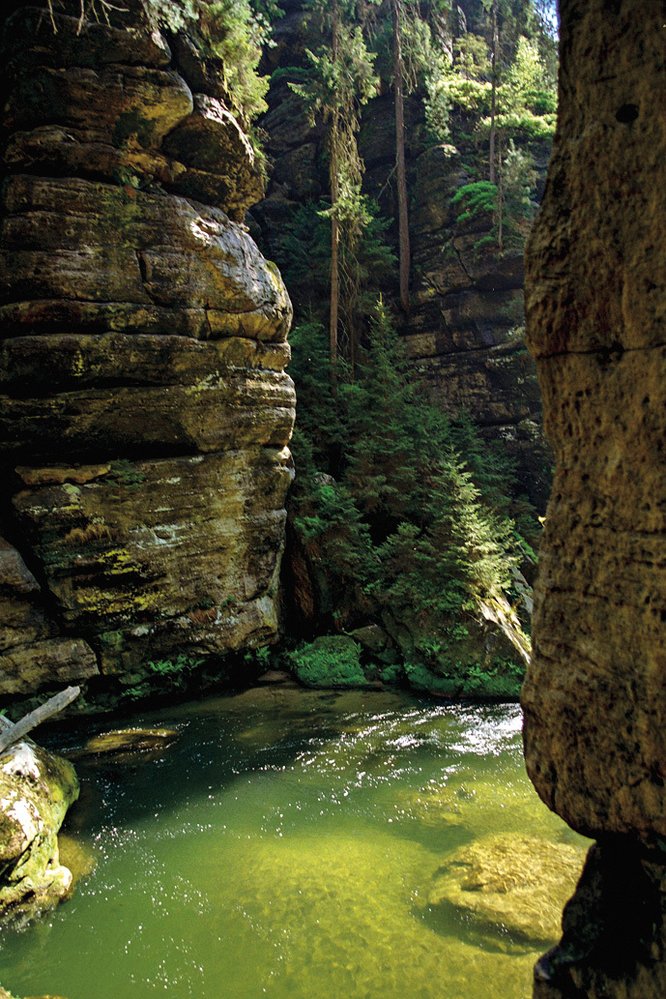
<point x="518" y="184"/>
<point x="260" y="658"/>
<point x="329" y="661"/>
<point x="126" y="473"/>
<point x="476" y="199"/>
<point x="340" y="80"/>
<point x="510" y="201"/>
<point x="302" y="251"/>
<point x="320" y="429"/>
<point x="164" y="676"/>
<point x="502" y="679"/>
<point x="416" y="526"/>
<point x="177" y="668"/>
<point x="235" y="32"/>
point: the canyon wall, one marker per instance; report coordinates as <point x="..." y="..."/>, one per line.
<point x="595" y="694"/>
<point x="144" y="407"/>
<point x="464" y="331"/>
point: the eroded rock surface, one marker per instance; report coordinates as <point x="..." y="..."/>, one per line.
<point x="36" y="789"/>
<point x="595" y="697"/>
<point x="144" y="406"/>
<point x="509" y="887"/>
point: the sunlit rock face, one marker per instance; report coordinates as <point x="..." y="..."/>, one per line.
<point x="36" y="789"/>
<point x="144" y="406"/>
<point x="595" y="695"/>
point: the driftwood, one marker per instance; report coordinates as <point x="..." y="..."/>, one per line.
<point x="11" y="733"/>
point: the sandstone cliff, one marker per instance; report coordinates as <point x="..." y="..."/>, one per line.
<point x="594" y="698"/>
<point x="144" y="410"/>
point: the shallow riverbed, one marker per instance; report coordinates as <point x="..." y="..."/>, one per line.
<point x="284" y="845"/>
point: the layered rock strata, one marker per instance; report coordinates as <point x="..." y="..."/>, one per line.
<point x="144" y="406"/>
<point x="595" y="696"/>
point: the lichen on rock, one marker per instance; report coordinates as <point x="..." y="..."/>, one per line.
<point x="36" y="789"/>
<point x="145" y="407"/>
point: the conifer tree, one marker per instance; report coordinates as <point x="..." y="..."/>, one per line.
<point x="401" y="175"/>
<point x="340" y="81"/>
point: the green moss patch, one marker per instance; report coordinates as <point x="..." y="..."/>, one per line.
<point x="329" y="661"/>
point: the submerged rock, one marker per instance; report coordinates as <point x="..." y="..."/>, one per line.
<point x="36" y="789"/>
<point x="76" y="856"/>
<point x="510" y="886"/>
<point x="433" y="806"/>
<point x="131" y="740"/>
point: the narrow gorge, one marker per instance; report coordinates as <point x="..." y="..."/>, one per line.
<point x="301" y="632"/>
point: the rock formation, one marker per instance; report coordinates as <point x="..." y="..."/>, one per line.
<point x="36" y="789"/>
<point x="595" y="698"/>
<point x="144" y="409"/>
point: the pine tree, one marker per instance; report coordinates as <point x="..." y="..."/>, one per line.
<point x="340" y="81"/>
<point x="401" y="174"/>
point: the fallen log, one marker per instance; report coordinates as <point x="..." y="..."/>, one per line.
<point x="12" y="732"/>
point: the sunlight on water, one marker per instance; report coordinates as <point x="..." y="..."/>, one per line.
<point x="285" y="846"/>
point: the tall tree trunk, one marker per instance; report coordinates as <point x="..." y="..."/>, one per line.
<point x="492" y="173"/>
<point x="335" y="192"/>
<point x="500" y="196"/>
<point x="403" y="214"/>
<point x="335" y="257"/>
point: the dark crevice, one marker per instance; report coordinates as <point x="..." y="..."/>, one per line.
<point x="10" y="529"/>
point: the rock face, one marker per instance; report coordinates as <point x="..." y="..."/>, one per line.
<point x="144" y="406"/>
<point x="465" y="330"/>
<point x="36" y="789"/>
<point x="595" y="698"/>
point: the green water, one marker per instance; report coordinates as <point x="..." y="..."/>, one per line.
<point x="283" y="846"/>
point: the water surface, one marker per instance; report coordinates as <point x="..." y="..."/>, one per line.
<point x="284" y="846"/>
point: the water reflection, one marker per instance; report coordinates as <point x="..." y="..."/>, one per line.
<point x="285" y="845"/>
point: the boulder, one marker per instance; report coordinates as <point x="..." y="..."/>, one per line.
<point x="36" y="789"/>
<point x="509" y="886"/>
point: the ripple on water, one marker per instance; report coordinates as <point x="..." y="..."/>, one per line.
<point x="285" y="845"/>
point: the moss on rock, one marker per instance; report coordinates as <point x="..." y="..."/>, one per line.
<point x="36" y="789"/>
<point x="330" y="661"/>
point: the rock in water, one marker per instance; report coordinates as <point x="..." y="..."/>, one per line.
<point x="144" y="406"/>
<point x="36" y="789"/>
<point x="76" y="856"/>
<point x="131" y="740"/>
<point x="512" y="887"/>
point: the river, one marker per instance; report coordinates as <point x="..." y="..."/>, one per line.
<point x="284" y="845"/>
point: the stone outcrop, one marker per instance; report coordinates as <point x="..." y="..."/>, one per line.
<point x="144" y="406"/>
<point x="36" y="789"/>
<point x="595" y="698"/>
